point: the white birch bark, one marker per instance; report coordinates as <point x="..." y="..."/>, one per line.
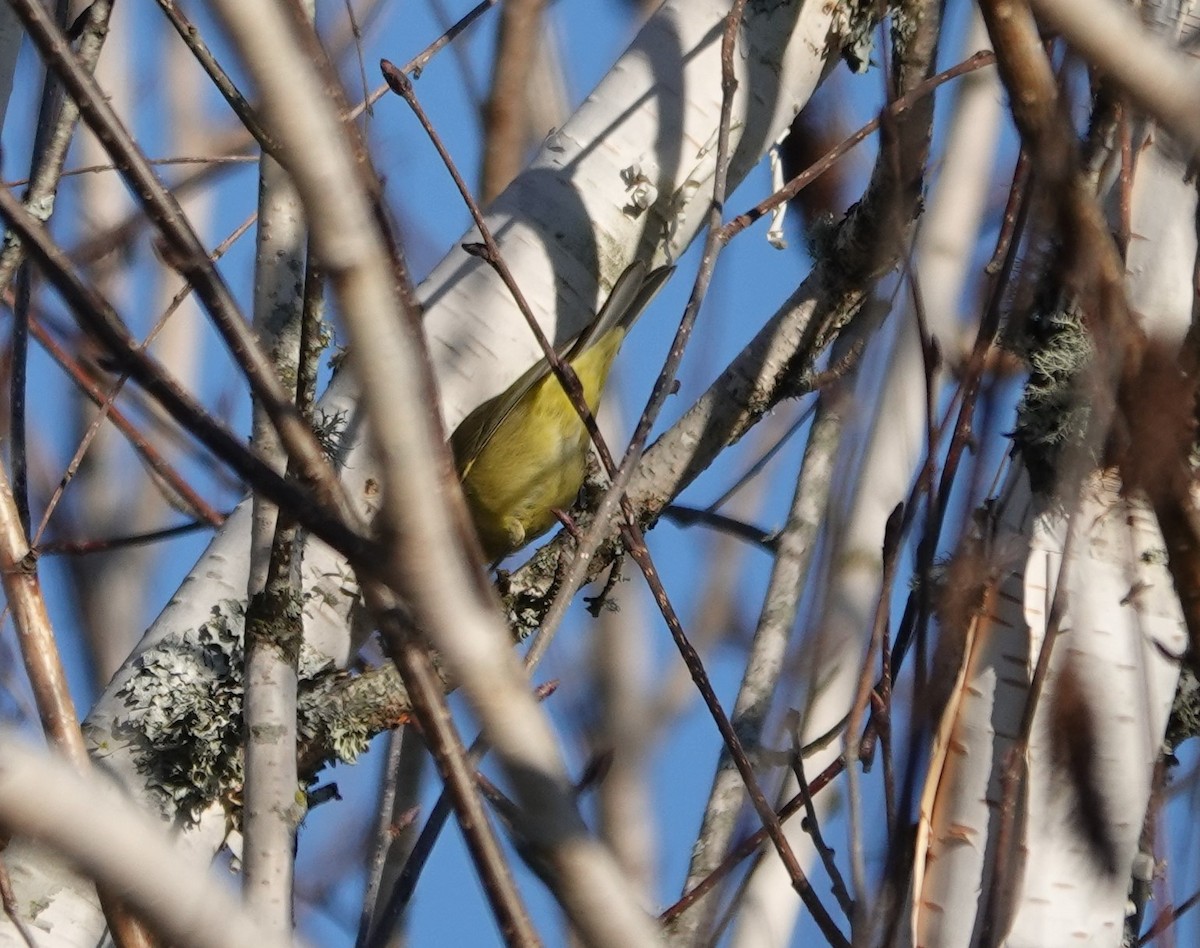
<point x="270" y="813"/>
<point x="1121" y="624"/>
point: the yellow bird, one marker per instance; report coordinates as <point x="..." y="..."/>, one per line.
<point x="522" y="455"/>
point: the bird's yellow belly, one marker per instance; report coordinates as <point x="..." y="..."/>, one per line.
<point x="517" y="483"/>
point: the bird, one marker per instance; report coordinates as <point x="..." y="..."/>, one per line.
<point x="521" y="456"/>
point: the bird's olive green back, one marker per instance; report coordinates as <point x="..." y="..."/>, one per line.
<point x="630" y="295"/>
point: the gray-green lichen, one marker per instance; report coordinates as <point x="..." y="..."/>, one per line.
<point x="330" y="430"/>
<point x="184" y="702"/>
<point x="184" y="715"/>
<point x="858" y="20"/>
<point x="1184" y="722"/>
<point x="1053" y="416"/>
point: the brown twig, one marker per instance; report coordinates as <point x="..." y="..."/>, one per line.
<point x="18" y="374"/>
<point x="207" y="161"/>
<point x="1015" y="210"/>
<point x="18" y="569"/>
<point x="154" y="461"/>
<point x="898" y="106"/>
<point x="1169" y="917"/>
<point x="417" y="64"/>
<point x="191" y="37"/>
<point x="684" y="516"/>
<point x="107" y="544"/>
<point x="812" y="825"/>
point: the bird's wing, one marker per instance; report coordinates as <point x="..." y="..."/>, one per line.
<point x="630" y="294"/>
